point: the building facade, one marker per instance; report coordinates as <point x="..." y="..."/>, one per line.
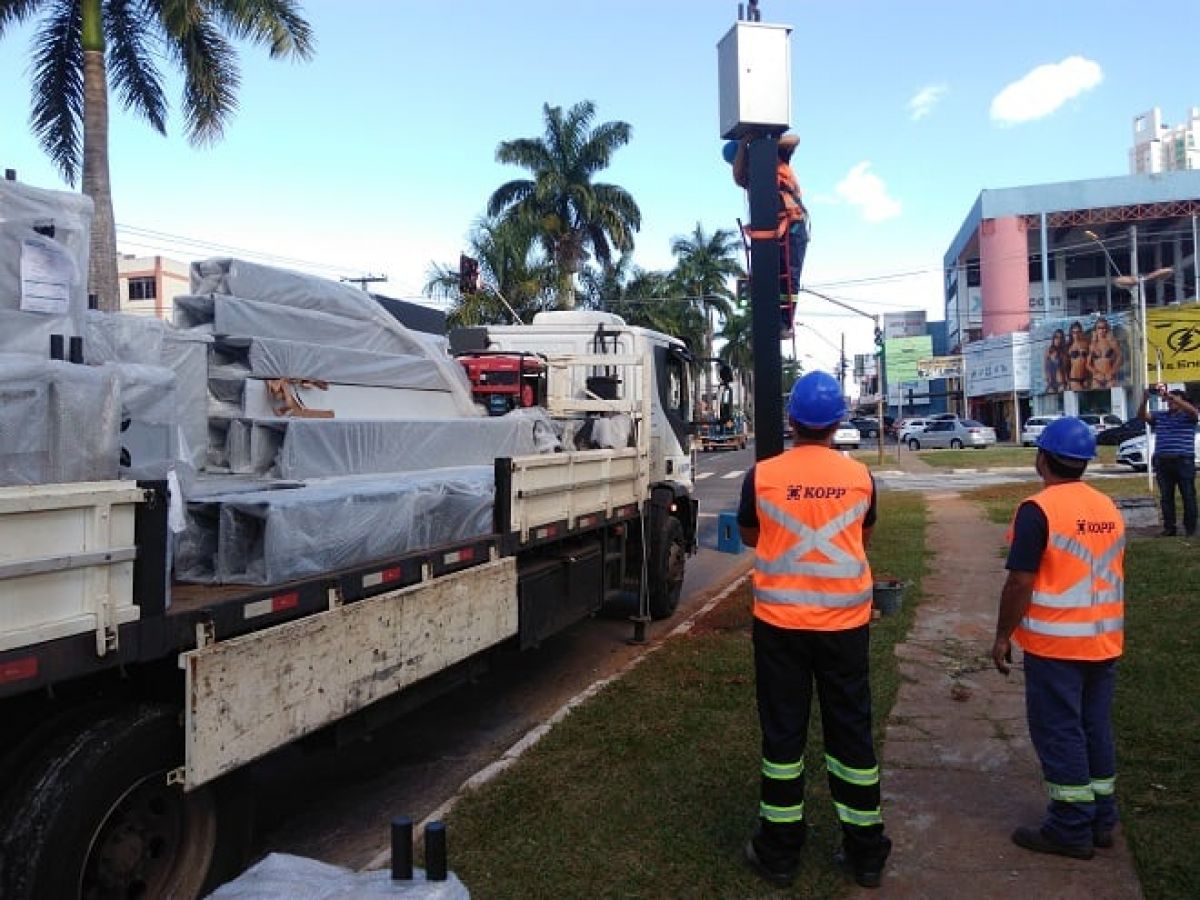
<point x="150" y="284"/>
<point x="1161" y="148"/>
<point x="1065" y="265"/>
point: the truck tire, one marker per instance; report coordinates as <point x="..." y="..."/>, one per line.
<point x="95" y="817"/>
<point x="668" y="558"/>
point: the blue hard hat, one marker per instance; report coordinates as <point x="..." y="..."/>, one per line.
<point x="729" y="151"/>
<point x="1068" y="437"/>
<point x="816" y="400"/>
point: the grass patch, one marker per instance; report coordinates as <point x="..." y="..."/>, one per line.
<point x="993" y="457"/>
<point x="1158" y="730"/>
<point x="1000" y="501"/>
<point x="651" y="788"/>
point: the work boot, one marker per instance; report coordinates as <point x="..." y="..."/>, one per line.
<point x="779" y="875"/>
<point x="867" y="871"/>
<point x="1036" y="840"/>
<point x="1167" y="532"/>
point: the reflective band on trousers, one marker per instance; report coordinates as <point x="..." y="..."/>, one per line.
<point x="1071" y="793"/>
<point x="1104" y="787"/>
<point x="841" y="563"/>
<point x="782" y="771"/>
<point x="1083" y="593"/>
<point x="861" y="817"/>
<point x="1073" y="629"/>
<point x="781" y="813"/>
<point x="864" y="777"/>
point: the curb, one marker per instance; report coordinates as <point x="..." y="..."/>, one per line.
<point x="535" y="734"/>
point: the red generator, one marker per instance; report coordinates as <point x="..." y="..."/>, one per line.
<point x="502" y="381"/>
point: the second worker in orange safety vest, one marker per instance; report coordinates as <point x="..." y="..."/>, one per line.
<point x="1063" y="602"/>
<point x="808" y="513"/>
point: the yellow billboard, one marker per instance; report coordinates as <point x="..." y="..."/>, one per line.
<point x="1173" y="335"/>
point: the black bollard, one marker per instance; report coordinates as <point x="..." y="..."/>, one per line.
<point x="75" y="349"/>
<point x="402" y="849"/>
<point x="56" y="347"/>
<point x="435" y="851"/>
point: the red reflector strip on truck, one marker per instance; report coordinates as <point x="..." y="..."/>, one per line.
<point x="274" y="604"/>
<point x="466" y="554"/>
<point x="18" y="669"/>
<point x="385" y="577"/>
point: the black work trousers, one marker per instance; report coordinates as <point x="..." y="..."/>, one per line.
<point x="787" y="664"/>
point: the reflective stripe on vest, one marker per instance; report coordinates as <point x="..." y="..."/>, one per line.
<point x="1081" y="593"/>
<point x="806" y="539"/>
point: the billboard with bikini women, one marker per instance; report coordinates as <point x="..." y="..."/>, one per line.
<point x="1081" y="353"/>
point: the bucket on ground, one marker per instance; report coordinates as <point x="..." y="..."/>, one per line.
<point x="729" y="539"/>
<point x="887" y="595"/>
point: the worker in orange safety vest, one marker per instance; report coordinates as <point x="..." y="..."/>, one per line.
<point x="809" y="513"/>
<point x="1063" y="603"/>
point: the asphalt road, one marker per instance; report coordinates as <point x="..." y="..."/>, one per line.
<point x="335" y="804"/>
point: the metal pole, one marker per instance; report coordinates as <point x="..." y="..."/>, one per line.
<point x="1045" y="270"/>
<point x="879" y="402"/>
<point x="764" y="298"/>
<point x="1195" y="261"/>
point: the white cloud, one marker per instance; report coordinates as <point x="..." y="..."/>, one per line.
<point x="925" y="100"/>
<point x="1044" y="89"/>
<point x="866" y="190"/>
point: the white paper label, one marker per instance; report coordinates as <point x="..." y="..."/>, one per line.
<point x="45" y="277"/>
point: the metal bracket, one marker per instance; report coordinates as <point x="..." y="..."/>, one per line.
<point x="177" y="776"/>
<point x="335" y="597"/>
<point x="206" y="634"/>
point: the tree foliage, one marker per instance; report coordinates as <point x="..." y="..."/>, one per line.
<point x="576" y="217"/>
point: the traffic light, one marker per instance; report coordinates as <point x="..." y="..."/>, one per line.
<point x="878" y="340"/>
<point x="468" y="274"/>
<point x="724" y="372"/>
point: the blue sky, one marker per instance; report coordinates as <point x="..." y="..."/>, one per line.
<point x="378" y="155"/>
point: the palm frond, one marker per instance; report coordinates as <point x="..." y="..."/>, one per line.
<point x="14" y="12"/>
<point x="274" y="23"/>
<point x="57" y="113"/>
<point x="128" y="31"/>
<point x="210" y="74"/>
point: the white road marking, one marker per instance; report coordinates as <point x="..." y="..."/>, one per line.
<point x="736" y="473"/>
<point x="700" y="476"/>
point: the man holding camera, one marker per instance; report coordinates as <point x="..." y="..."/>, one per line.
<point x="1174" y="455"/>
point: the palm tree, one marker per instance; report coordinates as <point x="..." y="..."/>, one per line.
<point x="81" y="44"/>
<point x="705" y="265"/>
<point x="738" y="349"/>
<point x="574" y="214"/>
<point x="512" y="271"/>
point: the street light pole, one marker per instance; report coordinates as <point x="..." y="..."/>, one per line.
<point x="1136" y="285"/>
<point x="1115" y="271"/>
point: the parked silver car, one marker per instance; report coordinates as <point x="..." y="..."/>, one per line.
<point x="953" y="434"/>
<point x="1033" y="427"/>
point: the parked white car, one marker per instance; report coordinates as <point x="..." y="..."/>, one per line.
<point x="847" y="437"/>
<point x="1132" y="452"/>
<point x="1033" y="428"/>
<point x="1099" y="422"/>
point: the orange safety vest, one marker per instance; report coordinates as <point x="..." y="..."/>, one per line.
<point x="1078" y="605"/>
<point x="791" y="207"/>
<point x="810" y="566"/>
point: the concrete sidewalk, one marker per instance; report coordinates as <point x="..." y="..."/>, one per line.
<point x="959" y="772"/>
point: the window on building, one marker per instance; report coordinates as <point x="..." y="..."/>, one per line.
<point x="1035" y="268"/>
<point x="973" y="273"/>
<point x="141" y="289"/>
<point x="1087" y="265"/>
